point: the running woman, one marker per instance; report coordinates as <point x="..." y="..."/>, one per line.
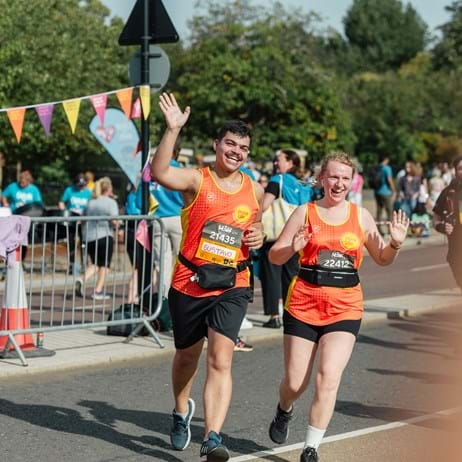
<point x="210" y="286"/>
<point x="324" y="307"/>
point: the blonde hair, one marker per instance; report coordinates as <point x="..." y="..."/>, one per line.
<point x="337" y="156"/>
<point x="102" y="185"/>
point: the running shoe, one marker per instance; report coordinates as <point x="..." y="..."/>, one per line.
<point x="273" y="323"/>
<point x="242" y="346"/>
<point x="279" y="428"/>
<point x="309" y="455"/>
<point x="214" y="449"/>
<point x="180" y="433"/>
<point x="100" y="296"/>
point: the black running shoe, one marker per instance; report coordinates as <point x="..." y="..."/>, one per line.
<point x="309" y="455"/>
<point x="214" y="449"/>
<point x="279" y="428"/>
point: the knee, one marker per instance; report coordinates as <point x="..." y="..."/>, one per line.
<point x="185" y="359"/>
<point x="327" y="381"/>
<point x="293" y="386"/>
<point x="219" y="363"/>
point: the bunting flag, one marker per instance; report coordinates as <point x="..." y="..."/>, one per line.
<point x="125" y="100"/>
<point x="45" y="113"/>
<point x="16" y="117"/>
<point x="72" y="108"/>
<point x="136" y="109"/>
<point x="99" y="103"/>
<point x="145" y="95"/>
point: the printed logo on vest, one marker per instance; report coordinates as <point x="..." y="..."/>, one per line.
<point x="350" y="241"/>
<point x="242" y="214"/>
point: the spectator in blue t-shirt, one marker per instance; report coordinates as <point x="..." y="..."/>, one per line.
<point x="384" y="193"/>
<point x="22" y="193"/>
<point x="74" y="201"/>
<point x="275" y="279"/>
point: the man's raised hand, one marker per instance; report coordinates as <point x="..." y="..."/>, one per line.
<point x="174" y="117"/>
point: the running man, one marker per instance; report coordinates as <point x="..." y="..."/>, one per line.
<point x="210" y="286"/>
<point x="324" y="306"/>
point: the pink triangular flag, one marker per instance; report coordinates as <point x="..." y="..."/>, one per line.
<point x="142" y="235"/>
<point x="45" y="113"/>
<point x="136" y="109"/>
<point x="99" y="104"/>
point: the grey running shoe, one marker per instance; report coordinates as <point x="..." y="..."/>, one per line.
<point x="214" y="449"/>
<point x="100" y="296"/>
<point x="180" y="433"/>
<point x="279" y="428"/>
<point x="309" y="455"/>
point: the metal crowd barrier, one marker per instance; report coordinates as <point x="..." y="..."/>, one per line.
<point x="58" y="298"/>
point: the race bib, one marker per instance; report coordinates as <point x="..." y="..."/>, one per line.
<point x="220" y="244"/>
<point x="335" y="260"/>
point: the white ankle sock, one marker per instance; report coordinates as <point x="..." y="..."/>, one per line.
<point x="314" y="437"/>
<point x="184" y="415"/>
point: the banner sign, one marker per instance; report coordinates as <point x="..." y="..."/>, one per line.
<point x="120" y="137"/>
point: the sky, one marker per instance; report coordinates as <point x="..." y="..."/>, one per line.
<point x="332" y="11"/>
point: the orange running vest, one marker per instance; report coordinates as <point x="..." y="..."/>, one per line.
<point x="213" y="204"/>
<point x="328" y="246"/>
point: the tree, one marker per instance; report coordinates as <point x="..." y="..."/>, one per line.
<point x="447" y="53"/>
<point x="51" y="51"/>
<point x="258" y="65"/>
<point x="385" y="33"/>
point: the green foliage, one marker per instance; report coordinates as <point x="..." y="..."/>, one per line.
<point x="384" y="33"/>
<point x="50" y="51"/>
<point x="447" y="53"/>
<point x="256" y="65"/>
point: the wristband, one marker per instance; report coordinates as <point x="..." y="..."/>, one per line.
<point x="395" y="246"/>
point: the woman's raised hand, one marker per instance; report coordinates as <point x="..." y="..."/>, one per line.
<point x="301" y="238"/>
<point x="398" y="227"/>
<point x="174" y="117"/>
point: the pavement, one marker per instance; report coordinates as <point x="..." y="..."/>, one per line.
<point x="87" y="348"/>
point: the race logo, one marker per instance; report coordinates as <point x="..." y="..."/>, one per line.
<point x="350" y="241"/>
<point x="211" y="197"/>
<point x="242" y="214"/>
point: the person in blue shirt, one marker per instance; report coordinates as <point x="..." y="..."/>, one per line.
<point x="165" y="205"/>
<point x="275" y="280"/>
<point x="384" y="193"/>
<point x="22" y="193"/>
<point x="74" y="201"/>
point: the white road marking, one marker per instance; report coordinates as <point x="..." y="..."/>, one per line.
<point x="430" y="267"/>
<point x="344" y="436"/>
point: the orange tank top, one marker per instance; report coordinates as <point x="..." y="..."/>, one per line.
<point x="213" y="226"/>
<point x="331" y="246"/>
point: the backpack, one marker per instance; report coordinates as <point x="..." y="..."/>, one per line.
<point x="375" y="177"/>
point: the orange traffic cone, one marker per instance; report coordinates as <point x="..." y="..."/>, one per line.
<point x="15" y="314"/>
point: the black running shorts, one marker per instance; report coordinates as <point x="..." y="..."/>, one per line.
<point x="100" y="251"/>
<point x="297" y="328"/>
<point x="191" y="316"/>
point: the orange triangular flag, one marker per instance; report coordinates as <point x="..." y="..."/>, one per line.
<point x="125" y="100"/>
<point x="72" y="108"/>
<point x="145" y="95"/>
<point x="16" y="117"/>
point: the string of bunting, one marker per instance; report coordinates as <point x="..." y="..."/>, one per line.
<point x="16" y="115"/>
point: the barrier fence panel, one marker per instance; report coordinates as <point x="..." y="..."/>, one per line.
<point x="79" y="272"/>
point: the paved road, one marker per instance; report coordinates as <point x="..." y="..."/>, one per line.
<point x="403" y="370"/>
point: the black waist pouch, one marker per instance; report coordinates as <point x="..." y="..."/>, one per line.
<point x="343" y="279"/>
<point x="212" y="276"/>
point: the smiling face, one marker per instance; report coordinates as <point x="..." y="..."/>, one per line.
<point x="231" y="151"/>
<point x="336" y="180"/>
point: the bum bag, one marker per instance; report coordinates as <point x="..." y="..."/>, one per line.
<point x="348" y="277"/>
<point x="213" y="276"/>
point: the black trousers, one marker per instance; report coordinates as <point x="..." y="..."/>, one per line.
<point x="275" y="279"/>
